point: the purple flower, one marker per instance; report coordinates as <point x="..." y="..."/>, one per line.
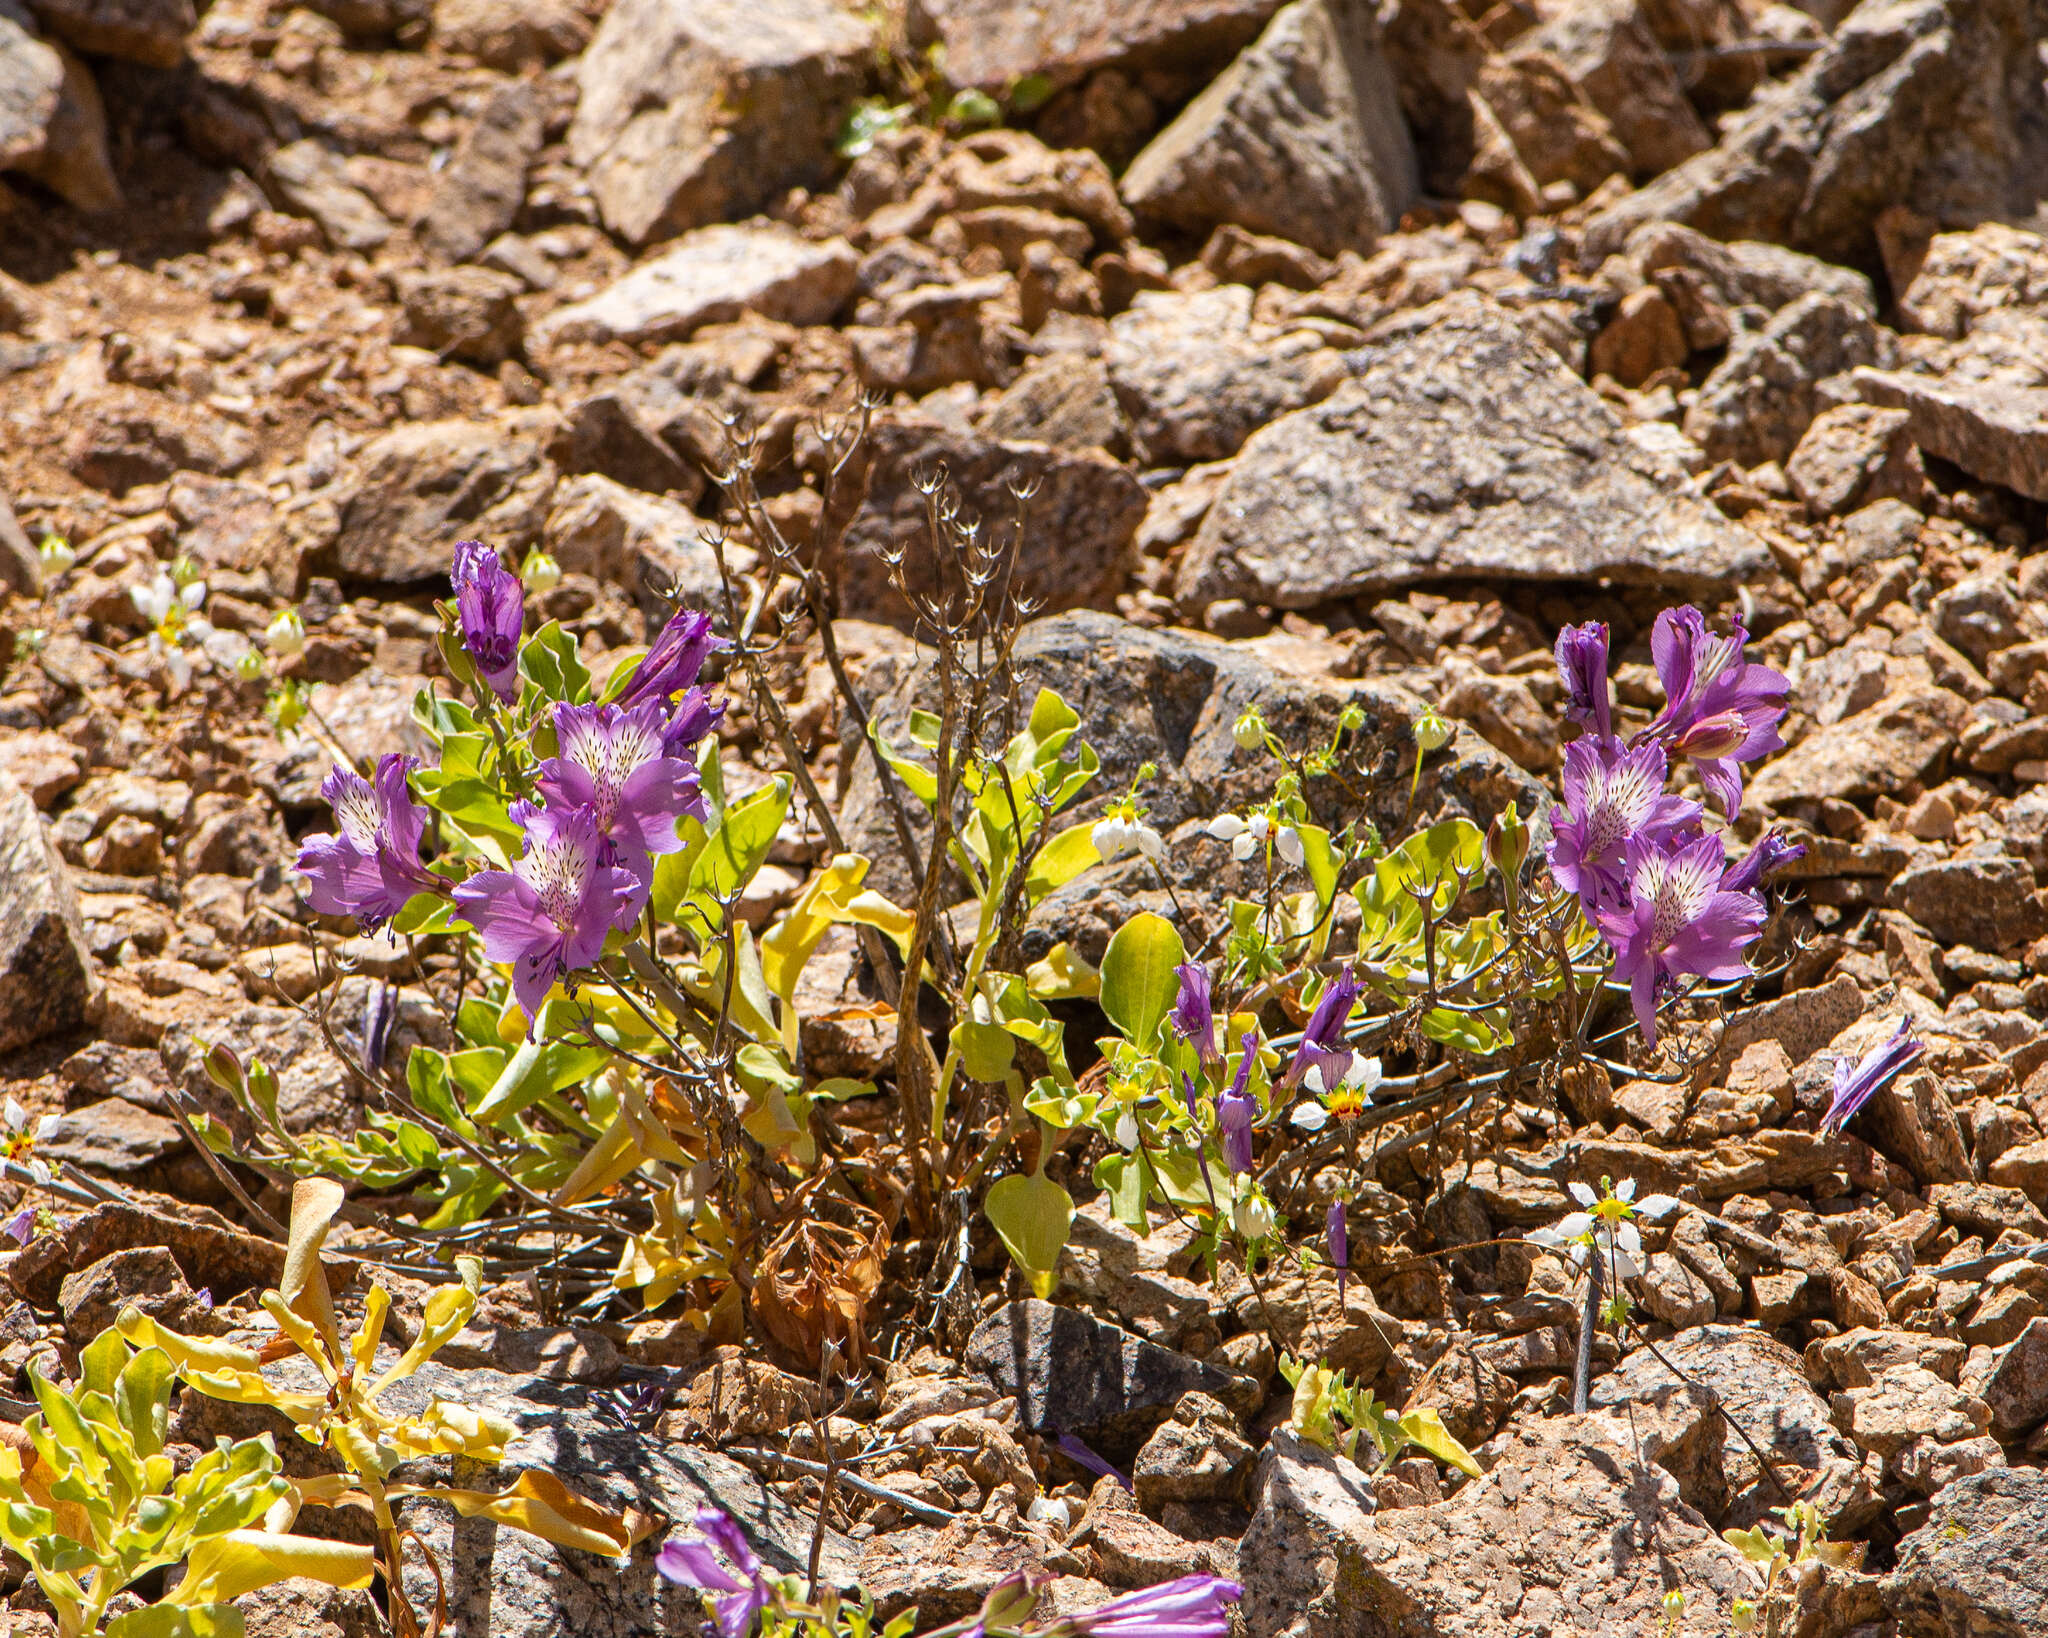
<point x="694" y="716"/>
<point x="371" y="865"/>
<point x="1679" y="919"/>
<point x="21" y="1227"/>
<point x="1236" y="1109"/>
<point x="1854" y="1083"/>
<point x="1191" y="1607"/>
<point x="611" y="762"/>
<point x="1194" y="1015"/>
<point x="548" y="915"/>
<point x="673" y="660"/>
<point x="1322" y="1042"/>
<point x="1720" y="710"/>
<point x="1611" y="793"/>
<point x="1337" y="1237"/>
<point x="490" y="602"/>
<point x="737" y="1598"/>
<point x="1771" y="854"/>
<point x="1582" y="662"/>
<point x="1082" y="1456"/>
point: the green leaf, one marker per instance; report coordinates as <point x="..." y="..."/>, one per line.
<point x="919" y="780"/>
<point x="1064" y="856"/>
<point x="986" y="1050"/>
<point x="1139" y="983"/>
<point x="424" y="913"/>
<point x="142" y="1398"/>
<point x="737" y="848"/>
<point x="179" y="1621"/>
<point x="1033" y="1215"/>
<point x="1129" y="1180"/>
<point x="550" y="661"/>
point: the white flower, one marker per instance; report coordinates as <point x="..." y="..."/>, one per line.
<point x="1361" y="1080"/>
<point x="1608" y="1224"/>
<point x="1252" y="1216"/>
<point x="286" y="634"/>
<point x="1310" y="1117"/>
<point x="1247" y="836"/>
<point x="19" y="1138"/>
<point x="1117" y="835"/>
<point x="1127" y="1129"/>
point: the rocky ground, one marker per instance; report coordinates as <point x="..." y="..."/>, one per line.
<point x="1351" y="355"/>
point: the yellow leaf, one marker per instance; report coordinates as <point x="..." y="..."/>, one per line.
<point x="607" y="1160"/>
<point x="225" y="1567"/>
<point x="446" y="1312"/>
<point x="540" y="1504"/>
<point x="194" y="1353"/>
<point x="304" y="1288"/>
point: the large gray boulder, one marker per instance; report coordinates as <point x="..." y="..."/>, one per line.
<point x="1302" y="137"/>
<point x="698" y="111"/>
<point x="1468" y="451"/>
<point x="1978" y="1567"/>
<point x="46" y="974"/>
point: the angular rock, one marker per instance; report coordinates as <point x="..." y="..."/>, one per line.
<point x="1074" y="1374"/>
<point x="463" y="312"/>
<point x="139" y="31"/>
<point x="511" y="38"/>
<point x="1197" y="377"/>
<point x="135" y="436"/>
<point x="2017" y="1388"/>
<point x="1077" y="547"/>
<point x="1614" y="59"/>
<point x="31" y="81"/>
<point x="700" y="111"/>
<point x="1906" y="1403"/>
<point x="1877" y="752"/>
<point x="1468" y="451"/>
<point x="712" y="276"/>
<point x="1987" y="903"/>
<point x="309" y="179"/>
<point x="945" y="1572"/>
<point x="72" y="158"/>
<point x="479" y="192"/>
<point x="115" y="1137"/>
<point x="1991" y="429"/>
<point x="1759" y="399"/>
<point x="208" y="1252"/>
<point x="1933" y="104"/>
<point x="1855" y="455"/>
<point x="1302" y="137"/>
<point x="648" y="545"/>
<point x="46" y="971"/>
<point x="1975" y="1568"/>
<point x="1568" y="1532"/>
<point x="609" y="434"/>
<point x="418" y="489"/>
<point x="148" y="1276"/>
<point x="1199" y="1455"/>
<point x="1966" y="275"/>
<point x="995" y="43"/>
<point x="1761" y="1384"/>
<point x="1555" y="133"/>
<point x="1065" y="400"/>
<point x="21" y="567"/>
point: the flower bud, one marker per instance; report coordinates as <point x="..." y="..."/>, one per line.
<point x="540" y="573"/>
<point x="1743" y="1616"/>
<point x="30" y="639"/>
<point x="286" y="707"/>
<point x="248" y="665"/>
<point x="1507" y="844"/>
<point x="184" y="571"/>
<point x="286" y="634"/>
<point x="57" y="557"/>
<point x="1249" y="730"/>
<point x="1351" y="718"/>
<point x="1432" y="733"/>
<point x="223" y="1068"/>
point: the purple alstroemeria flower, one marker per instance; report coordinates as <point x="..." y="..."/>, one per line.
<point x="1082" y="1456"/>
<point x="611" y="762"/>
<point x="21" y="1227"/>
<point x="1191" y="1607"/>
<point x="548" y="915"/>
<point x="737" y="1598"/>
<point x="1679" y="919"/>
<point x="1337" y="1238"/>
<point x="371" y="864"/>
<point x="1322" y="1042"/>
<point x="1611" y="793"/>
<point x="1855" y="1083"/>
<point x="695" y="715"/>
<point x="673" y="660"/>
<point x="1771" y="854"/>
<point x="1582" y="662"/>
<point x="1720" y="710"/>
<point x="1236" y="1109"/>
<point x="1194" y="1015"/>
<point x="491" y="604"/>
